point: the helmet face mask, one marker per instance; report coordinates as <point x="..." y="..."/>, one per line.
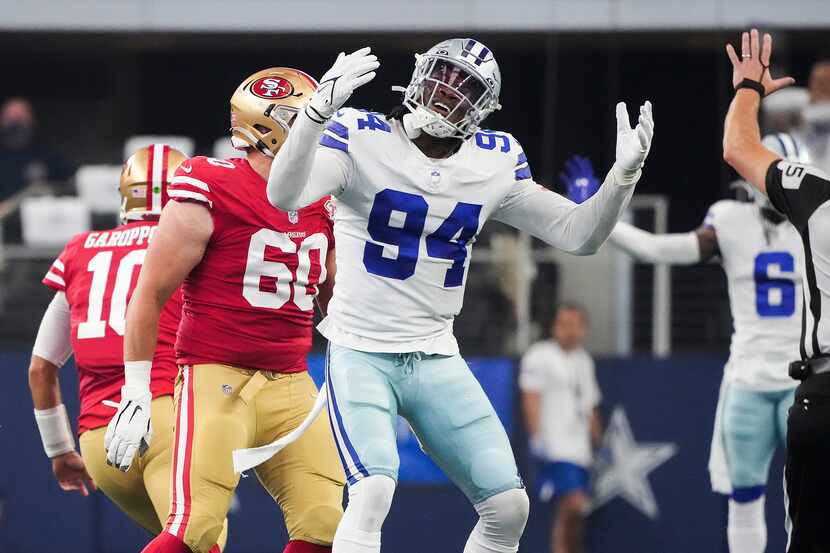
<point x="457" y="83"/>
<point x="264" y="106"/>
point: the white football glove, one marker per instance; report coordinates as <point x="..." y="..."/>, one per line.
<point x="130" y="431"/>
<point x="634" y="144"/>
<point x="347" y="74"/>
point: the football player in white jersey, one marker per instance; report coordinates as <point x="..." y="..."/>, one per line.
<point x="763" y="258"/>
<point x="413" y="190"/>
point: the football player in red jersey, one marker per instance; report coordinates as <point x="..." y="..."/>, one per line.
<point x="251" y="273"/>
<point x="93" y="279"/>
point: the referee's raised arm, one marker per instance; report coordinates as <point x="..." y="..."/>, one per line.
<point x="802" y="193"/>
<point x="742" y="147"/>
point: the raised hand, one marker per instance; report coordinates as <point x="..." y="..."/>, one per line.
<point x="579" y="179"/>
<point x="347" y="74"/>
<point x="634" y="144"/>
<point x="753" y="65"/>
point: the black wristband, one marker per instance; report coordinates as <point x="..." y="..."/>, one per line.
<point x="754" y="85"/>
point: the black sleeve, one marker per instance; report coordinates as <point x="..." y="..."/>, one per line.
<point x="796" y="190"/>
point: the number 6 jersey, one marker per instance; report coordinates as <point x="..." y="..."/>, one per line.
<point x="763" y="263"/>
<point x="98" y="272"/>
<point x="250" y="300"/>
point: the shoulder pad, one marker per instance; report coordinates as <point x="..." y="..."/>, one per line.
<point x="504" y="144"/>
<point x="348" y="121"/>
<point x="195" y="177"/>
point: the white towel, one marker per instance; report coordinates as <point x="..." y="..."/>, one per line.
<point x="244" y="459"/>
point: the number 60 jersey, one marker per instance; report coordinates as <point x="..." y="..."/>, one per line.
<point x="250" y="300"/>
<point x="763" y="263"/>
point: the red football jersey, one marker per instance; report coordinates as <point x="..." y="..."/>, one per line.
<point x="250" y="301"/>
<point x="98" y="271"/>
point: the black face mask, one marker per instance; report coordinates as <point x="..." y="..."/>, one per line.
<point x="15" y="136"/>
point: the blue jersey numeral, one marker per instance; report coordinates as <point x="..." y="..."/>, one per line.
<point x="404" y="234"/>
<point x="768" y="302"/>
<point x="489" y="141"/>
<point x="373" y="122"/>
<point x="398" y="218"/>
<point x="449" y="241"/>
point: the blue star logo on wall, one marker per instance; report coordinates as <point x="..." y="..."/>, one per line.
<point x="623" y="465"/>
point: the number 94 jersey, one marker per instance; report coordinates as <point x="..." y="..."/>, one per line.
<point x="405" y="227"/>
<point x="250" y="301"/>
<point x="763" y="264"/>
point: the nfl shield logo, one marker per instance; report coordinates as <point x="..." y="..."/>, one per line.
<point x="293" y="217"/>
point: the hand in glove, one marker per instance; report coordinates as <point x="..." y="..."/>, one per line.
<point x="634" y="144"/>
<point x="347" y="74"/>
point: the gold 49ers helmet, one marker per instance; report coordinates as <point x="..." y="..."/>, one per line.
<point x="263" y="106"/>
<point x="144" y="180"/>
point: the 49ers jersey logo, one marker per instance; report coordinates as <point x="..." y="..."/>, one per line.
<point x="272" y="88"/>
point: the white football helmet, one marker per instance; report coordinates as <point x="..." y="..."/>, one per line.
<point x="454" y="86"/>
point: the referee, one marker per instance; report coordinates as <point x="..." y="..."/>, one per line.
<point x="803" y="194"/>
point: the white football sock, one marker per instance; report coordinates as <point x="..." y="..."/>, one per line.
<point x="502" y="520"/>
<point x="747" y="528"/>
<point x="369" y="502"/>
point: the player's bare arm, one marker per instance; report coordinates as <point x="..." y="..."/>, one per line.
<point x="581" y="229"/>
<point x="179" y="244"/>
<point x="52" y="349"/>
<point x="531" y="405"/>
<point x="596" y="427"/>
<point x="296" y="180"/>
<point x="742" y="148"/>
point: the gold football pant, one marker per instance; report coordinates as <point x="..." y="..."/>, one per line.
<point x="143" y="492"/>
<point x="220" y="408"/>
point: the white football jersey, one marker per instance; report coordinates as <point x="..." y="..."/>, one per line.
<point x="404" y="228"/>
<point x="567" y="384"/>
<point x="763" y="264"/>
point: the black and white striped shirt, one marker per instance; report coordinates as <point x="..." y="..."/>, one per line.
<point x="802" y="193"/>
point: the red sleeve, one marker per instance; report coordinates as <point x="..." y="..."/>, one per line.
<point x="192" y="182"/>
<point x="55" y="277"/>
<point x="330" y="205"/>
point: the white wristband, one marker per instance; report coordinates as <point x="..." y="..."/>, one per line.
<point x="137" y="374"/>
<point x="55" y="430"/>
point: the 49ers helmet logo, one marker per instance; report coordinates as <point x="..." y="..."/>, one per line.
<point x="272" y="88"/>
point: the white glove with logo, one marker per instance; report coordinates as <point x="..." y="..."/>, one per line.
<point x="634" y="144"/>
<point x="347" y="74"/>
<point x="130" y="430"/>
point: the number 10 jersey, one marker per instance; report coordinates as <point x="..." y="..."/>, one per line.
<point x="98" y="271"/>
